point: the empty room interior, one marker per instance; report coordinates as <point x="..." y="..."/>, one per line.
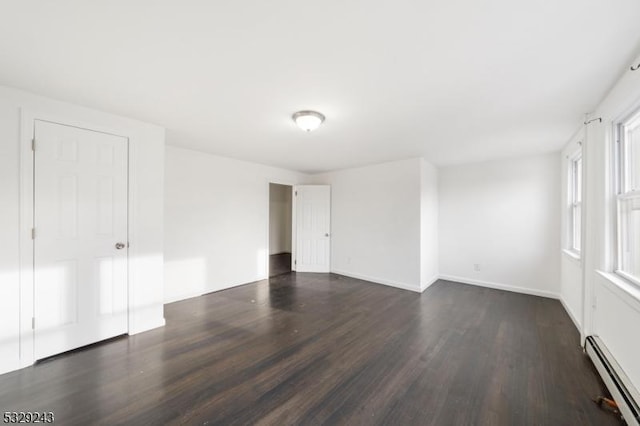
<point x="292" y="213"/>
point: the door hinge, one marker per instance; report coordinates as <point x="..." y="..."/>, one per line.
<point x="33" y="323"/>
<point x="33" y="233"/>
<point x="296" y="193"/>
<point x="33" y="144"/>
<point x="295" y="262"/>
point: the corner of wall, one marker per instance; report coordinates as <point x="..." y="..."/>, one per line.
<point x="429" y="282"/>
<point x="429" y="233"/>
<point x="570" y="312"/>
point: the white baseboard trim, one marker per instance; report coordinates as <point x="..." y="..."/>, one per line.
<point x="181" y="297"/>
<point x="148" y="326"/>
<point x="13" y="366"/>
<point x="202" y="292"/>
<point x="571" y="315"/>
<point x="396" y="284"/>
<point x="497" y="286"/>
<point x="429" y="283"/>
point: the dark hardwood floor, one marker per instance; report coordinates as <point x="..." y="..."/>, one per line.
<point x="325" y="349"/>
<point x="279" y="264"/>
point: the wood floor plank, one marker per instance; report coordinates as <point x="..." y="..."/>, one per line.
<point x="327" y="349"/>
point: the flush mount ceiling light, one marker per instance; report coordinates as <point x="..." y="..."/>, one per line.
<point x="308" y="120"/>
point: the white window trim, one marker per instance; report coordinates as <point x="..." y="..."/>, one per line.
<point x="570" y="249"/>
<point x="622" y="192"/>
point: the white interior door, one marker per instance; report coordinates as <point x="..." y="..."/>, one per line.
<point x="313" y="228"/>
<point x="80" y="239"/>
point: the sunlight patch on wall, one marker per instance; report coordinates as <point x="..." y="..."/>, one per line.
<point x="190" y="273"/>
<point x="261" y="263"/>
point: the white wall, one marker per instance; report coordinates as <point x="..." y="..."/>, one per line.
<point x="429" y="257"/>
<point x="280" y="205"/>
<point x="375" y="222"/>
<point x="146" y="238"/>
<point x="216" y="221"/>
<point x="571" y="293"/>
<point x="9" y="236"/>
<point x="611" y="306"/>
<point x="503" y="216"/>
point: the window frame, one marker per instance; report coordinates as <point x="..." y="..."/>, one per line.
<point x="574" y="201"/>
<point x="622" y="189"/>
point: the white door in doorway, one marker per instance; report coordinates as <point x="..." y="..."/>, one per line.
<point x="313" y="228"/>
<point x="80" y="237"/>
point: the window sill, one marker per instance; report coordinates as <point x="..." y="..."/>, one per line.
<point x="622" y="284"/>
<point x="572" y="255"/>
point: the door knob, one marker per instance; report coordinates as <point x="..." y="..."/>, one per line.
<point x="120" y="246"/>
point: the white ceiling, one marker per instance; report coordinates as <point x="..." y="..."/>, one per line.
<point x="452" y="80"/>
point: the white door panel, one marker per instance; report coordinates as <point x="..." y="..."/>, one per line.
<point x="313" y="228"/>
<point x="80" y="213"/>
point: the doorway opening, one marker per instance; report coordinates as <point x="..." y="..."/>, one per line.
<point x="280" y="229"/>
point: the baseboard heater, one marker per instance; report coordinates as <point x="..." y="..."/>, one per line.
<point x="622" y="391"/>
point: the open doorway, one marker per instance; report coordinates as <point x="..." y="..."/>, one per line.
<point x="280" y="240"/>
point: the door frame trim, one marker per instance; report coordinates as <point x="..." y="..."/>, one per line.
<point x="26" y="243"/>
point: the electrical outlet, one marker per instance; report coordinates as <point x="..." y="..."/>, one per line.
<point x="476" y="267"/>
<point x="349" y="260"/>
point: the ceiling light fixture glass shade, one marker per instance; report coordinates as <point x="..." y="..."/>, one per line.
<point x="308" y="120"/>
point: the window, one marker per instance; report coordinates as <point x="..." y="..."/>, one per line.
<point x="628" y="198"/>
<point x="575" y="202"/>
